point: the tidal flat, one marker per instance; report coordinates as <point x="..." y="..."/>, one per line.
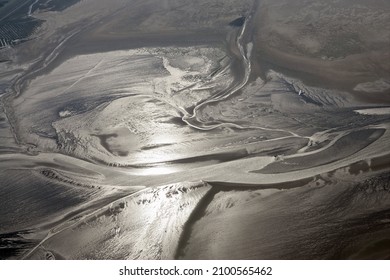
<point x="211" y="129"/>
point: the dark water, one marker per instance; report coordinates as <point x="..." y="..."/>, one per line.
<point x="56" y="5"/>
<point x="13" y="244"/>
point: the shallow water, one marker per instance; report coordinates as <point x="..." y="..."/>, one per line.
<point x="178" y="144"/>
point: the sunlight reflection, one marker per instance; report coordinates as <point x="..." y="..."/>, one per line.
<point x="156" y="170"/>
<point x="158" y="149"/>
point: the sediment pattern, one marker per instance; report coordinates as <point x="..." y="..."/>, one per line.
<point x="129" y="133"/>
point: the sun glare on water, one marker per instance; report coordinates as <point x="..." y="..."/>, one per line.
<point x="158" y="170"/>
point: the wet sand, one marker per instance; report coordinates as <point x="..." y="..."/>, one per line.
<point x="227" y="147"/>
<point x="305" y="46"/>
<point x="339" y="150"/>
<point x="323" y="221"/>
